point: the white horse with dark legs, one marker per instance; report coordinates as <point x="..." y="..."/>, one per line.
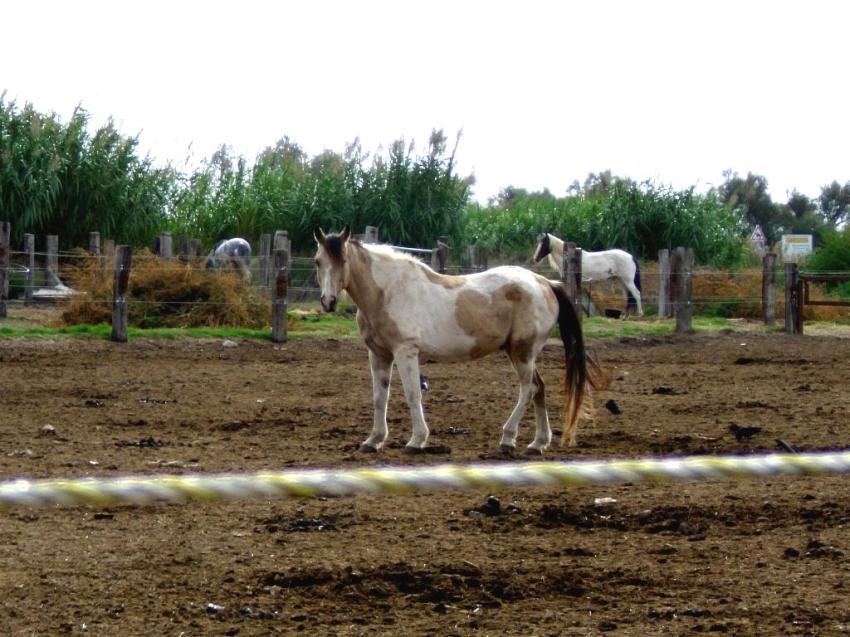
<point x="406" y="313"/>
<point x="235" y="252"/>
<point x="596" y="266"/>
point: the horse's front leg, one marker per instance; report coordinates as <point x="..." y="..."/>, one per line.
<point x="381" y="373"/>
<point x="407" y="359"/>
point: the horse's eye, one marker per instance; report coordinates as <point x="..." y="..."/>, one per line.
<point x="317" y="263"/>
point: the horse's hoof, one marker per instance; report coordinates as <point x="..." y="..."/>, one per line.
<point x="364" y="448"/>
<point x="532" y="451"/>
<point x="412" y="451"/>
<point x="507" y="450"/>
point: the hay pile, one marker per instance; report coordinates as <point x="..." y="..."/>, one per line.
<point x="166" y="294"/>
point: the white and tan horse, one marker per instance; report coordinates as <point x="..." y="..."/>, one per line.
<point x="596" y="266"/>
<point x="406" y="312"/>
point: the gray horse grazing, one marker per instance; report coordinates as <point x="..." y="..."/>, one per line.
<point x="236" y="252"/>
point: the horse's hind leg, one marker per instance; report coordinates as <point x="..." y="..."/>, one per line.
<point x="525" y="372"/>
<point x="631" y="288"/>
<point x="543" y="436"/>
<point x="381" y="373"/>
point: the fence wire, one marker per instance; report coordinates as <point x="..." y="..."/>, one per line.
<point x="712" y="287"/>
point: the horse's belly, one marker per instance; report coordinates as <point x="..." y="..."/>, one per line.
<point x="459" y="346"/>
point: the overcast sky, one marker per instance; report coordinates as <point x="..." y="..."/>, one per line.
<point x="544" y="92"/>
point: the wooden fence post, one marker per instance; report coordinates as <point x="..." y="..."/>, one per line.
<point x="29" y="249"/>
<point x="194" y="249"/>
<point x="183" y="248"/>
<point x="165" y="247"/>
<point x="281" y="261"/>
<point x="371" y="234"/>
<point x="793" y="300"/>
<point x="665" y="309"/>
<point x="571" y="268"/>
<point x="768" y="289"/>
<point x="52" y="270"/>
<point x="108" y="254"/>
<point x="281" y="241"/>
<point x="440" y="255"/>
<point x="94" y="244"/>
<point x="264" y="254"/>
<point x="120" y="281"/>
<point x="681" y="268"/>
<point x="5" y="238"/>
<point x="472" y="256"/>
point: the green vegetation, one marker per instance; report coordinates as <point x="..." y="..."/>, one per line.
<point x="320" y="325"/>
<point x="300" y="326"/>
<point x="412" y="199"/>
<point x="58" y="178"/>
<point x="833" y="256"/>
<point x="640" y="218"/>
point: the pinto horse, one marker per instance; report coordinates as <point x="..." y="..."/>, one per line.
<point x="596" y="266"/>
<point x="236" y="252"/>
<point x="406" y="313"/>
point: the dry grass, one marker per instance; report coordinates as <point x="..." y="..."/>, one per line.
<point x="166" y="294"/>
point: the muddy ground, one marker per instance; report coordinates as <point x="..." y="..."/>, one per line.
<point x="763" y="557"/>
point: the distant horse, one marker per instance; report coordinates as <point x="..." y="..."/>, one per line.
<point x="596" y="266"/>
<point x="236" y="252"/>
<point x="407" y="313"/>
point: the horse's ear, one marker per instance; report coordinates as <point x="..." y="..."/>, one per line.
<point x="319" y="235"/>
<point x="346" y="232"/>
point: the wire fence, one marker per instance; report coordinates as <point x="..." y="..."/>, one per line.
<point x="735" y="292"/>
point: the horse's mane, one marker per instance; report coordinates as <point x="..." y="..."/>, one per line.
<point x="558" y="241"/>
<point x="389" y="251"/>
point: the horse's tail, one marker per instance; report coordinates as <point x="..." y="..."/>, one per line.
<point x="576" y="377"/>
<point x="631" y="301"/>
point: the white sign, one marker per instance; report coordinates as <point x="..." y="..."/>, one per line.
<point x="796" y="246"/>
<point x="757" y="240"/>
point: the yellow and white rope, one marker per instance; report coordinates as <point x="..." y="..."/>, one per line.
<point x="313" y="483"/>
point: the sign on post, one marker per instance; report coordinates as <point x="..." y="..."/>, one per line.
<point x="795" y="247"/>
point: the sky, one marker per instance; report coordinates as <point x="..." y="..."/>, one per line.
<point x="542" y="93"/>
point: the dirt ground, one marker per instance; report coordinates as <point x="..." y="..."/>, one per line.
<point x="762" y="557"/>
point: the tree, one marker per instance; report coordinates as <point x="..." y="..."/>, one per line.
<point x="749" y="197"/>
<point x="802" y="216"/>
<point x="800" y="205"/>
<point x="834" y="202"/>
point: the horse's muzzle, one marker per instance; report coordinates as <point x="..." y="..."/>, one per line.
<point x="329" y="305"/>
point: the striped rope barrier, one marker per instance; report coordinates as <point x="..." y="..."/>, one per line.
<point x="314" y="483"/>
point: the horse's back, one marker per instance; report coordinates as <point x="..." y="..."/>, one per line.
<point x="490" y="310"/>
<point x="608" y="264"/>
<point x="236" y="247"/>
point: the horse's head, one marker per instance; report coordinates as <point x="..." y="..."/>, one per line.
<point x="330" y="266"/>
<point x="542" y="248"/>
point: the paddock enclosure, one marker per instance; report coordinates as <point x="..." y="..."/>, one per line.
<point x="752" y="557"/>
